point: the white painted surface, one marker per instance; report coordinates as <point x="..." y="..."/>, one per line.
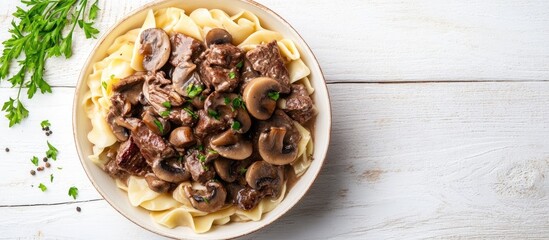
<point x="407" y="160"/>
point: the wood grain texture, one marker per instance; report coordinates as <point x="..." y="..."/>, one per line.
<point x="387" y="40"/>
<point x="437" y="160"/>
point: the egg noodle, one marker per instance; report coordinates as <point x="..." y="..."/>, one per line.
<point x="123" y="59"/>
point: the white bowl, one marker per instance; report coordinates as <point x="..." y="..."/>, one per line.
<point x="118" y="198"/>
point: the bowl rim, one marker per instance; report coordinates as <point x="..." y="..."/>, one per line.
<point x="83" y="75"/>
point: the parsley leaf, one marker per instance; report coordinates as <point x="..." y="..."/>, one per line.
<point x="274" y="95"/>
<point x="242" y="170"/>
<point x="226" y="100"/>
<point x="52" y="152"/>
<point x="193" y="90"/>
<point x="51" y="177"/>
<point x="201" y="158"/>
<point x="213" y="113"/>
<point x="165" y="113"/>
<point x="104" y="85"/>
<point x="189" y="111"/>
<point x="206" y="200"/>
<point x="236" y="125"/>
<point x="73" y="192"/>
<point x="232" y="75"/>
<point x="42" y="187"/>
<point x="238" y="102"/>
<point x="45" y="124"/>
<point x="159" y="126"/>
<point x="167" y="104"/>
<point x="41" y="31"/>
<point x="240" y="64"/>
<point x="34" y="161"/>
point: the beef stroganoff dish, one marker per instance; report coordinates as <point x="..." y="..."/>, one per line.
<point x="202" y="118"/>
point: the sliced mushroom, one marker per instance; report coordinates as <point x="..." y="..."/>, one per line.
<point x="155" y="48"/>
<point x="244" y="121"/>
<point x="226" y="169"/>
<point x="182" y="137"/>
<point x="231" y="145"/>
<point x="182" y="76"/>
<point x="265" y="177"/>
<point x="159" y="126"/>
<point x="218" y="36"/>
<point x="171" y="170"/>
<point x="272" y="148"/>
<point x="256" y="97"/>
<point x="210" y="200"/>
<point x="156" y="184"/>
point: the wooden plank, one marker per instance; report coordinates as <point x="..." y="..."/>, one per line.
<point x="443" y="160"/>
<point x="388" y="40"/>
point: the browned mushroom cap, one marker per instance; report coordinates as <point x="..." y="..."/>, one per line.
<point x="226" y="169"/>
<point x="218" y="36"/>
<point x="272" y="149"/>
<point x="256" y="97"/>
<point x="231" y="145"/>
<point x="182" y="137"/>
<point x="155" y="48"/>
<point x="210" y="200"/>
<point x="171" y="170"/>
<point x="265" y="177"/>
<point x="156" y="184"/>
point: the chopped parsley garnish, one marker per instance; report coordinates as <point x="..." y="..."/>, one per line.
<point x="201" y="158"/>
<point x="227" y="100"/>
<point x="104" y="84"/>
<point x="42" y="187"/>
<point x="240" y="64"/>
<point x="236" y="125"/>
<point x="232" y="75"/>
<point x="73" y="192"/>
<point x="180" y="158"/>
<point x="45" y="124"/>
<point x="274" y="95"/>
<point x="165" y="113"/>
<point x="194" y="90"/>
<point x="51" y="177"/>
<point x="202" y="97"/>
<point x="200" y="147"/>
<point x="52" y="152"/>
<point x="189" y="111"/>
<point x="34" y="161"/>
<point x="167" y="104"/>
<point x="112" y="76"/>
<point x="159" y="126"/>
<point x="206" y="200"/>
<point x="212" y="151"/>
<point x="242" y="170"/>
<point x="213" y="113"/>
<point x="238" y="102"/>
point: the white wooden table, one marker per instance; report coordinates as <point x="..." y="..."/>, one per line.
<point x="440" y="127"/>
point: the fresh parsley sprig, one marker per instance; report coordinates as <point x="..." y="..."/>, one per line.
<point x="38" y="35"/>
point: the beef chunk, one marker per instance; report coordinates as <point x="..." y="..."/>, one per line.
<point x="266" y="60"/>
<point x="184" y="49"/>
<point x="219" y="67"/>
<point x="153" y="147"/>
<point x="208" y="125"/>
<point x="158" y="90"/>
<point x="196" y="164"/>
<point x="182" y="116"/>
<point x="248" y="74"/>
<point x="299" y="105"/>
<point x="112" y="168"/>
<point x="130" y="159"/>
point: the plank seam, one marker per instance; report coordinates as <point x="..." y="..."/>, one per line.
<point x="49" y="204"/>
